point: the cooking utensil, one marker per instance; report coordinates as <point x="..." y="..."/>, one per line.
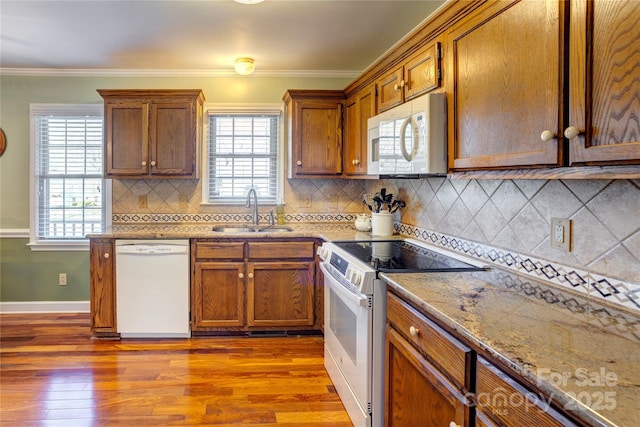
<point x="367" y="200"/>
<point x="397" y="204"/>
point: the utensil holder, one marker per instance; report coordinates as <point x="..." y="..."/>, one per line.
<point x="382" y="224"/>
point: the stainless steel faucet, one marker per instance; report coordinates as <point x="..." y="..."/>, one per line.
<point x="256" y="218"/>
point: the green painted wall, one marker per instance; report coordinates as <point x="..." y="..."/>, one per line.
<point x="33" y="276"/>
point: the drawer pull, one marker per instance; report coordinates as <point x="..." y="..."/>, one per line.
<point x="414" y="331"/>
<point x="107" y="255"/>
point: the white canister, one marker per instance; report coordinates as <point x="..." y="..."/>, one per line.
<point x="382" y="224"/>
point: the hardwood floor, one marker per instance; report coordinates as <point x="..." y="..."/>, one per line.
<point x="52" y="373"/>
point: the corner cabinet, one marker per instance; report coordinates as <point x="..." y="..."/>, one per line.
<point x="152" y="133"/>
<point x="102" y="287"/>
<point x="254" y="285"/>
<point x="418" y="74"/>
<point x="314" y="121"/>
<point x="358" y="109"/>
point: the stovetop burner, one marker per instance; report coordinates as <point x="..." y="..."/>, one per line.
<point x="395" y="256"/>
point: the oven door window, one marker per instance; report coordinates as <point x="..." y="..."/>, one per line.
<point x="344" y="325"/>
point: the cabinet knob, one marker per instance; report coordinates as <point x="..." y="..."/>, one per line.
<point x="250" y="275"/>
<point x="241" y="276"/>
<point x="396" y="87"/>
<point x="414" y="331"/>
<point x="299" y="163"/>
<point x="453" y="424"/>
<point x="144" y="163"/>
<point x="107" y="255"/>
<point x="402" y="83"/>
<point x="571" y="132"/>
<point x="355" y="162"/>
<point x="547" y="135"/>
<point x="153" y="162"/>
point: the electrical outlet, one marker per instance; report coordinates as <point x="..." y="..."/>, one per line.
<point x="62" y="279"/>
<point x="305" y="200"/>
<point x="561" y="234"/>
<point x="183" y="201"/>
<point x="142" y="201"/>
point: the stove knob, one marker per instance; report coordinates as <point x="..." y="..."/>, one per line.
<point x="357" y="278"/>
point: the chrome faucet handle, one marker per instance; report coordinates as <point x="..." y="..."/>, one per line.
<point x="272" y="219"/>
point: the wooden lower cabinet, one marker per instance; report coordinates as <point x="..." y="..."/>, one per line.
<point x="509" y="403"/>
<point x="218" y="300"/>
<point x="417" y="394"/>
<point x="280" y="294"/>
<point x="102" y="287"/>
<point x="253" y="285"/>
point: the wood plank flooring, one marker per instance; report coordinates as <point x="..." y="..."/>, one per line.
<point x="52" y="373"/>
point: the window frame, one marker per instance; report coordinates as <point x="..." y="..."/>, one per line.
<point x="35" y="242"/>
<point x="243" y="109"/>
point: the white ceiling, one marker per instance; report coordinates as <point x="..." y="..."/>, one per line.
<point x="285" y="37"/>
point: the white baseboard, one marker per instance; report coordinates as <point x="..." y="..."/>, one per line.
<point x="44" y="307"/>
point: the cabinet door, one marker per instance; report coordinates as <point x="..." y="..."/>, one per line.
<point x="280" y="294"/>
<point x="127" y="137"/>
<point x="504" y="84"/>
<point x="316" y="137"/>
<point x="218" y="295"/>
<point x="604" y="85"/>
<point x="417" y="395"/>
<point x="172" y="138"/>
<point x="422" y="71"/>
<point x="390" y="91"/>
<point x="358" y="109"/>
<point x="102" y="286"/>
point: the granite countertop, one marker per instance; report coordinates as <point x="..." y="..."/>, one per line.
<point x="326" y="231"/>
<point x="565" y="345"/>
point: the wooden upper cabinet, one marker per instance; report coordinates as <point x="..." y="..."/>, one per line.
<point x="152" y="134"/>
<point x="418" y="74"/>
<point x="314" y="132"/>
<point x="604" y="86"/>
<point x="358" y="109"/>
<point x="503" y="80"/>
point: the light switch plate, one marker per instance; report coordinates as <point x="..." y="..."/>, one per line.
<point x="561" y="234"/>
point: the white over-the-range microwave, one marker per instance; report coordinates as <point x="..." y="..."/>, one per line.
<point x="410" y="139"/>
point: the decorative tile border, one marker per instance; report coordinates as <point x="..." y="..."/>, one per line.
<point x="594" y="286"/>
<point x="124" y="219"/>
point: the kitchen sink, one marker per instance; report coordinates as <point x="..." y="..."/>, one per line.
<point x="249" y="229"/>
<point x="233" y="229"/>
<point x="274" y="228"/>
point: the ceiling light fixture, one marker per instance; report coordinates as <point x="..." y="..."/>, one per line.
<point x="244" y="66"/>
<point x="249" y="1"/>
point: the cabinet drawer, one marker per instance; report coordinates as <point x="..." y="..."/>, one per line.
<point x="219" y="250"/>
<point x="447" y="353"/>
<point x="509" y="402"/>
<point x="279" y="250"/>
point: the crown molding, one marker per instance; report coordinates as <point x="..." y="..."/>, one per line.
<point x="60" y="72"/>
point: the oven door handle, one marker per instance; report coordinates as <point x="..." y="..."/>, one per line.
<point x="357" y="299"/>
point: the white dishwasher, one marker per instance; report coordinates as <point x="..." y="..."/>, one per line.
<point x="152" y="288"/>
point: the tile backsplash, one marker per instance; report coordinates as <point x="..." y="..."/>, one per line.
<point x="508" y="215"/>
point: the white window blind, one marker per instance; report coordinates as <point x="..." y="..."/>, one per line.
<point x="68" y="189"/>
<point x="243" y="153"/>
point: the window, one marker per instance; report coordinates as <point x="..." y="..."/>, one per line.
<point x="243" y="153"/>
<point x="68" y="191"/>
